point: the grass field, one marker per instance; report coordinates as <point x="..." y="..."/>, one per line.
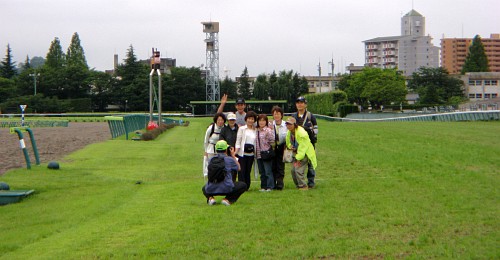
<point x="384" y="190"/>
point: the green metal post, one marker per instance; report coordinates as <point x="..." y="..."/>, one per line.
<point x="33" y="144"/>
<point x="23" y="147"/>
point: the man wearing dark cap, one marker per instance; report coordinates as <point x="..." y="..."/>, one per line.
<point x="307" y="120"/>
<point x="240" y="109"/>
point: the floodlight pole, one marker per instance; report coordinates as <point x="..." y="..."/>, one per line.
<point x="34" y="75"/>
<point x="211" y="30"/>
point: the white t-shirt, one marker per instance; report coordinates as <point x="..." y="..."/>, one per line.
<point x="250" y="135"/>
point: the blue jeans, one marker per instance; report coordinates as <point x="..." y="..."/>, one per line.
<point x="266" y="173"/>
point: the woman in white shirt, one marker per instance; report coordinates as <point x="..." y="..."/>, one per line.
<point x="280" y="130"/>
<point x="245" y="147"/>
<point x="211" y="138"/>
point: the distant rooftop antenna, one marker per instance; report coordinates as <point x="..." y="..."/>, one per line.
<point x="211" y="29"/>
<point x="227" y="72"/>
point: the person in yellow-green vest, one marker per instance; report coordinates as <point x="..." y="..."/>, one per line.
<point x="297" y="139"/>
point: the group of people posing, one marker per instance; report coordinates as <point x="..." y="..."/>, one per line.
<point x="243" y="138"/>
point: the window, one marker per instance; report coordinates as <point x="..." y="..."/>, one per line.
<point x="494" y="82"/>
<point x="479" y="95"/>
<point x="487" y="82"/>
<point x="494" y="95"/>
<point x="488" y="95"/>
<point x="472" y="95"/>
<point x="478" y="83"/>
<point x="472" y="83"/>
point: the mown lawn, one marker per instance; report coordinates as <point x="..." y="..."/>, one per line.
<point x="384" y="190"/>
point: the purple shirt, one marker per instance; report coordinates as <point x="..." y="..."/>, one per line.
<point x="227" y="185"/>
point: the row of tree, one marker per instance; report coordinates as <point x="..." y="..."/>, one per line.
<point x="63" y="82"/>
<point x="381" y="87"/>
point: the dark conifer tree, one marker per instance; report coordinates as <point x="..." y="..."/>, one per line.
<point x="476" y="60"/>
<point x="8" y="67"/>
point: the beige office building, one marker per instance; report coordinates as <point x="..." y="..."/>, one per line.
<point x="455" y="50"/>
<point x="406" y="52"/>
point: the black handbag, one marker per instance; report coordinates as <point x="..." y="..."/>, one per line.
<point x="268" y="154"/>
<point x="248" y="148"/>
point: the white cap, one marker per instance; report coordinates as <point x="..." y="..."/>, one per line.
<point x="231" y="116"/>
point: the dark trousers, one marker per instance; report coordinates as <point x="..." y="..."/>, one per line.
<point x="311" y="173"/>
<point x="279" y="167"/>
<point x="246" y="163"/>
<point x="238" y="189"/>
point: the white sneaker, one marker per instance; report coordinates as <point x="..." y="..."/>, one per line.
<point x="262" y="190"/>
<point x="226" y="202"/>
<point x="211" y="201"/>
<point x="269" y="190"/>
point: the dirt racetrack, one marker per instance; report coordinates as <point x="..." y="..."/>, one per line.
<point x="53" y="143"/>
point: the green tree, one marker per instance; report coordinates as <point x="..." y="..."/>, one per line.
<point x="76" y="83"/>
<point x="378" y="86"/>
<point x="8" y="67"/>
<point x="228" y="86"/>
<point x="75" y="55"/>
<point x="25" y="82"/>
<point x="52" y="74"/>
<point x="37" y="62"/>
<point x="7" y="89"/>
<point x="102" y="87"/>
<point x="300" y="87"/>
<point x="435" y="86"/>
<point x="244" y="85"/>
<point x="344" y="81"/>
<point x="134" y="84"/>
<point x="476" y="60"/>
<point x="261" y="88"/>
<point x="55" y="57"/>
<point x="182" y="86"/>
<point x="22" y="66"/>
<point x="283" y="85"/>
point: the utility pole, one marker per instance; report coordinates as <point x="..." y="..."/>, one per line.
<point x="34" y="75"/>
<point x="333" y="67"/>
<point x="319" y="71"/>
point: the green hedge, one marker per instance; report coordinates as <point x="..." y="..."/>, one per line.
<point x="326" y="103"/>
<point x="80" y="105"/>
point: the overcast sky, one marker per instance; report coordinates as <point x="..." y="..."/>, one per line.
<point x="264" y="35"/>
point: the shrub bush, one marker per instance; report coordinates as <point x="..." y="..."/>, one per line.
<point x="346" y="109"/>
<point x="153" y="134"/>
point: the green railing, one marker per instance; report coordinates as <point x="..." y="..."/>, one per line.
<point x="444" y="117"/>
<point x="124" y="124"/>
<point x="35" y="123"/>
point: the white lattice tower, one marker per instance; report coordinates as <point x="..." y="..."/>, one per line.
<point x="211" y="29"/>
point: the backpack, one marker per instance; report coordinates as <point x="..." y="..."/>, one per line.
<point x="216" y="170"/>
<point x="309" y="130"/>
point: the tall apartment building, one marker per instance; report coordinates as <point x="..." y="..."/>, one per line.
<point x="455" y="50"/>
<point x="407" y="52"/>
